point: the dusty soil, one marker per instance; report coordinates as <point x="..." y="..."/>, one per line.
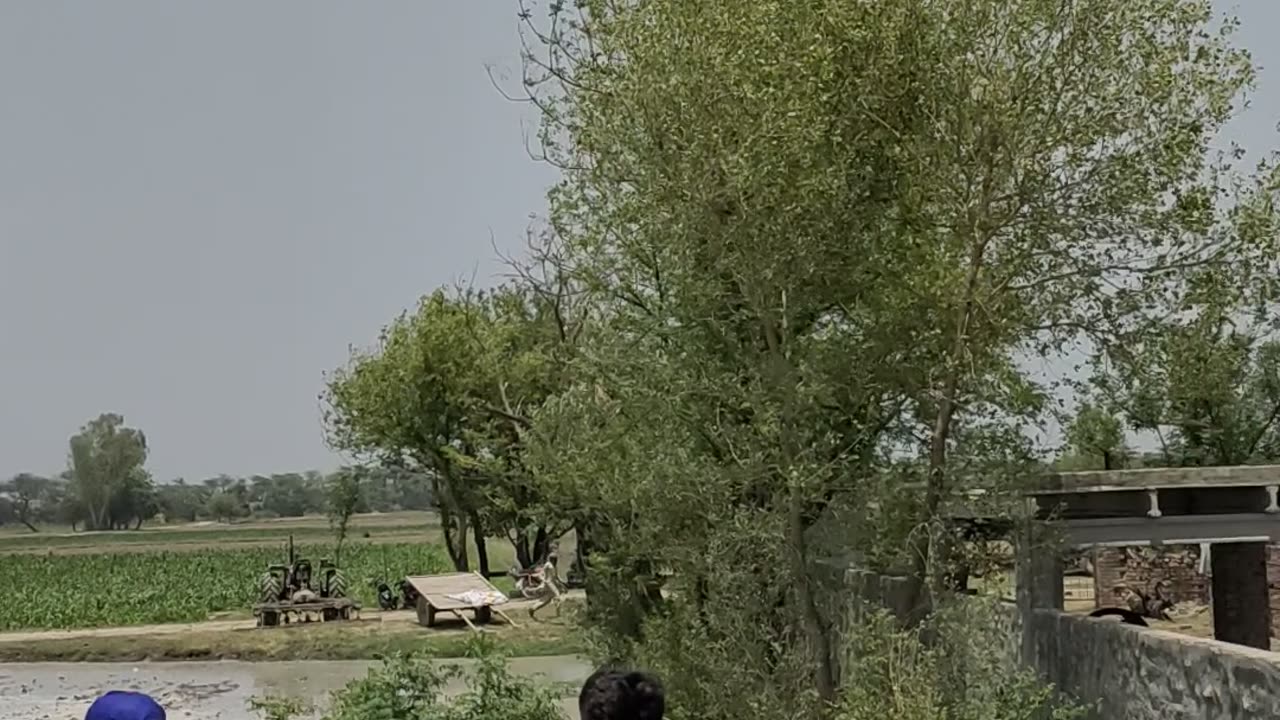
<point x="517" y="609"/>
<point x="376" y="634"/>
<point x="209" y="691"/>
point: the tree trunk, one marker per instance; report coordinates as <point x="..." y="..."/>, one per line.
<point x="541" y="543"/>
<point x="581" y="558"/>
<point x="814" y="628"/>
<point x="935" y="489"/>
<point x="455" y="538"/>
<point x="482" y="549"/>
<point x="531" y="551"/>
<point x="524" y="557"/>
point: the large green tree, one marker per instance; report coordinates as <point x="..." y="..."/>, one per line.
<point x="823" y="235"/>
<point x="445" y="394"/>
<point x="109" y="480"/>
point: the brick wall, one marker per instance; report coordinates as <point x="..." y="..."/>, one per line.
<point x="1141" y="567"/>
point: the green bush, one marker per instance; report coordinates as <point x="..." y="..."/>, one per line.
<point x="963" y="671"/>
<point x="411" y="687"/>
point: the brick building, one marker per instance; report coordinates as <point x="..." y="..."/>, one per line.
<point x="1142" y="567"/>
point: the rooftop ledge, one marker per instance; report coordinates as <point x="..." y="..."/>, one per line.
<point x="1093" y="481"/>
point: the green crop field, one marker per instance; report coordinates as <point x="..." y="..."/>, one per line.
<point x="106" y="589"/>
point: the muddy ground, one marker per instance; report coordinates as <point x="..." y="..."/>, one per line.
<point x="209" y="691"/>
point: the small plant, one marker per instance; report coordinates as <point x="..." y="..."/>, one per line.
<point x="278" y="707"/>
<point x="961" y="673"/>
<point x="411" y="687"/>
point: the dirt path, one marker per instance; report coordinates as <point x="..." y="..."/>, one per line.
<point x="393" y="616"/>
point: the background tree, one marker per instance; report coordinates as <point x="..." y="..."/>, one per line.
<point x="28" y="497"/>
<point x="405" y="403"/>
<point x="1206" y="387"/>
<point x="107" y="474"/>
<point x="1096" y="439"/>
<point x="343" y="501"/>
<point x="444" y="397"/>
<point x="179" y="501"/>
<point x="224" y="506"/>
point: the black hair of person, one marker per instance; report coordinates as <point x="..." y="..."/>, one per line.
<point x="611" y="694"/>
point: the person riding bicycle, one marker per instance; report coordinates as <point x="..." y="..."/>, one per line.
<point x="542" y="582"/>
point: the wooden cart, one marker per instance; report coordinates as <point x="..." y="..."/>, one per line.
<point x="454" y="593"/>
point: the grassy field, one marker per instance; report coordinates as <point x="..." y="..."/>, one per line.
<point x="59" y="579"/>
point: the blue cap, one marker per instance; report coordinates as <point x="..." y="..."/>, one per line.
<point x="121" y="705"/>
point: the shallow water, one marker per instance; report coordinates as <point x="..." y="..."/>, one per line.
<point x="208" y="690"/>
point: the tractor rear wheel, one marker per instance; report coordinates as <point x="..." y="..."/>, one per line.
<point x="269" y="588"/>
<point x="337" y="585"/>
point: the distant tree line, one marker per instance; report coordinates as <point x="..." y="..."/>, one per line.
<point x="106" y="486"/>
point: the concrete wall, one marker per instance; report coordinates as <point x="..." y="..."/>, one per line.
<point x="1132" y="673"/>
<point x="1143" y="674"/>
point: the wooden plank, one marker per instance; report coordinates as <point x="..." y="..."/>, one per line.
<point x="506" y="617"/>
<point x="465" y="619"/>
<point x="436" y="589"/>
<point x="1158" y="478"/>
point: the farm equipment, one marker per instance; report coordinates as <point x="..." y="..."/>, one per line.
<point x="387" y="599"/>
<point x="289" y="593"/>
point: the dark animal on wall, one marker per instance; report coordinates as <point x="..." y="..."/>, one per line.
<point x="1128" y="617"/>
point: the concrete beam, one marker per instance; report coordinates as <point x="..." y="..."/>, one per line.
<point x="1157" y="478"/>
<point x="1169" y="530"/>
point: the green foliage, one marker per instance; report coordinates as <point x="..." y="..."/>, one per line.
<point x="30" y="499"/>
<point x="963" y="676"/>
<point x="275" y="707"/>
<point x="445" y="393"/>
<point x="493" y="692"/>
<point x="289" y="495"/>
<point x="224" y="506"/>
<point x="110" y="484"/>
<point x="411" y="687"/>
<point x="1208" y="387"/>
<point x="819" y="239"/>
<point x="83" y="590"/>
<point x="343" y="500"/>
<point x="1097" y="439"/>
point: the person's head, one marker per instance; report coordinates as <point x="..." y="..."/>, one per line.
<point x="121" y="705"/>
<point x="621" y="695"/>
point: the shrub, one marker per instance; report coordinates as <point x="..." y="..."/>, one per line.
<point x="411" y="687"/>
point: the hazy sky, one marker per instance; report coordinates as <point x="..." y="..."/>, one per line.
<point x="203" y="203"/>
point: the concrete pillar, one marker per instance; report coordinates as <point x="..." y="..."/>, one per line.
<point x="1039" y="582"/>
<point x="1241" y="601"/>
